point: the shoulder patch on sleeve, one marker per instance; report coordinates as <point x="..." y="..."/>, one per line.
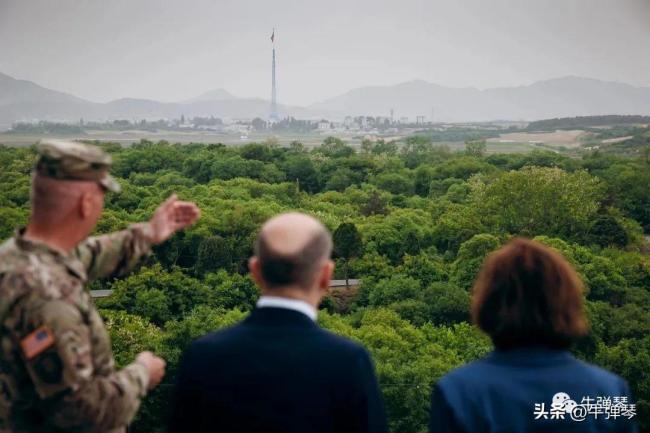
<point x="36" y="342"/>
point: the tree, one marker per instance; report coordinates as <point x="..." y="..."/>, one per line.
<point x="447" y="304"/>
<point x="375" y="205"/>
<point x="157" y="294"/>
<point x="382" y="147"/>
<point x="458" y="192"/>
<point x="366" y="146"/>
<point x="347" y="245"/>
<point x="456" y="224"/>
<point x="131" y="334"/>
<point x="475" y="147"/>
<point x="423" y="177"/>
<point x="606" y="231"/>
<point x="395" y="183"/>
<point x="470" y="258"/>
<point x="400" y="232"/>
<point x="10" y="218"/>
<point x="213" y="254"/>
<point x="628" y="187"/>
<point x="259" y="152"/>
<point x="416" y="149"/>
<point x="340" y="179"/>
<point x="334" y="148"/>
<point x="408" y="363"/>
<point x="394" y="289"/>
<point x="535" y="201"/>
<point x="631" y="359"/>
<point x="300" y="168"/>
<point x="425" y="267"/>
<point x="232" y="290"/>
<point x="461" y="167"/>
<point x="200" y="321"/>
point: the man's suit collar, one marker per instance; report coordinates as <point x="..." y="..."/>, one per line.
<point x="303" y="307"/>
<point x="272" y="316"/>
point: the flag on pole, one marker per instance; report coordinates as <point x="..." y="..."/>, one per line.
<point x="273" y="36"/>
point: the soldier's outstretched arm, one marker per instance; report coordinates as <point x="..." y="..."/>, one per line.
<point x="118" y="253"/>
<point x="55" y="342"/>
<point x="115" y="254"/>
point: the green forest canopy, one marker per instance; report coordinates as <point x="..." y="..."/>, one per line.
<point x="425" y="219"/>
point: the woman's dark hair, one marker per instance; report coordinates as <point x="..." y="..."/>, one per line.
<point x="527" y="294"/>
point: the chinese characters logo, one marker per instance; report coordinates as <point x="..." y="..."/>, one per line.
<point x="562" y="406"/>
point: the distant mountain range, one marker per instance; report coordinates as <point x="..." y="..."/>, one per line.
<point x="22" y="100"/>
<point x="560" y="97"/>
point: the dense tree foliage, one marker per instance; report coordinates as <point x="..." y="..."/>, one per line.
<point x="413" y="222"/>
<point x="586" y="121"/>
<point x="347" y="245"/>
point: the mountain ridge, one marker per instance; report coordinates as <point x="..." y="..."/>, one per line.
<point x="557" y="97"/>
<point x="23" y="100"/>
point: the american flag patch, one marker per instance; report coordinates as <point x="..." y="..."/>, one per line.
<point x="36" y="342"/>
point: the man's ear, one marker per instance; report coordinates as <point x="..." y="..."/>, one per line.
<point x="326" y="276"/>
<point x="86" y="205"/>
<point x="255" y="270"/>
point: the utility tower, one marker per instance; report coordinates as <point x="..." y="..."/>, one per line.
<point x="274" y="96"/>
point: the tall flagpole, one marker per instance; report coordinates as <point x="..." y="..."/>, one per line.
<point x="274" y="101"/>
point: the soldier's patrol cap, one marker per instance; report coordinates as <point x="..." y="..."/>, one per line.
<point x="71" y="160"/>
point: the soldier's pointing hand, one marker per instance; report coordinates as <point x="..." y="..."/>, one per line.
<point x="172" y="215"/>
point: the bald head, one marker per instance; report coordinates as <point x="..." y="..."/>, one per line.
<point x="291" y="249"/>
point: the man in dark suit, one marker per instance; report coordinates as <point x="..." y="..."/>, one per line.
<point x="277" y="371"/>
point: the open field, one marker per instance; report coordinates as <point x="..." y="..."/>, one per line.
<point x="308" y="139"/>
<point x="128" y="137"/>
<point x="493" y="147"/>
<point x="569" y="139"/>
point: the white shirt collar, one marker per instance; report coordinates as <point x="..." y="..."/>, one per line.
<point x="289" y="304"/>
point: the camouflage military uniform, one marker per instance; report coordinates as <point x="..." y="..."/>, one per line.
<point x="57" y="372"/>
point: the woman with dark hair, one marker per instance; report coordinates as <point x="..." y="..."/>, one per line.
<point x="528" y="299"/>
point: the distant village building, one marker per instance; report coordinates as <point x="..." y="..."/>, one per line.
<point x="238" y="128"/>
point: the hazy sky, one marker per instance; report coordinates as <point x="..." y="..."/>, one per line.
<point x="173" y="50"/>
